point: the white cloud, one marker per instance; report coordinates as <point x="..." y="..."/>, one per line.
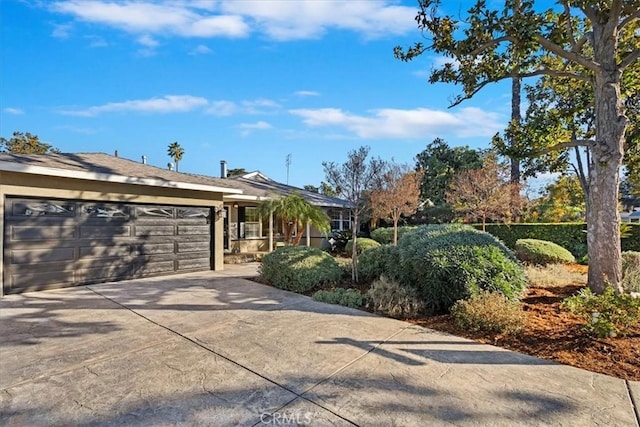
<point x="222" y="108"/>
<point x="397" y="123"/>
<point x="279" y="20"/>
<point x="260" y="106"/>
<point x="148" y="41"/>
<point x="14" y="111"/>
<point x="164" y="105"/>
<point x="61" y="31"/>
<point x="306" y="93"/>
<point x="200" y="50"/>
<point x="248" y="128"/>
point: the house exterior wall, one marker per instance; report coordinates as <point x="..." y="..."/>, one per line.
<point x="28" y="185"/>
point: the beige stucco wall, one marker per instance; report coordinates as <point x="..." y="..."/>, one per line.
<point x="28" y="185"/>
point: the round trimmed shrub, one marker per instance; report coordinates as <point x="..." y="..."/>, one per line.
<point x="362" y="244"/>
<point x="447" y="263"/>
<point x="300" y="268"/>
<point x="384" y="235"/>
<point x="542" y="252"/>
<point x="379" y="261"/>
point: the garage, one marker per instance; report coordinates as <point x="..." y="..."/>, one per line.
<point x="75" y="219"/>
<point x="54" y="243"/>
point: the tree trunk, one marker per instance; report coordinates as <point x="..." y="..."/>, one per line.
<point x="484" y="223"/>
<point x="395" y="231"/>
<point x="354" y="252"/>
<point x="603" y="221"/>
<point x="515" y="162"/>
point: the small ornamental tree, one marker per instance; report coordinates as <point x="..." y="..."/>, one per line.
<point x="352" y="180"/>
<point x="482" y="193"/>
<point x="25" y="143"/>
<point x="398" y="195"/>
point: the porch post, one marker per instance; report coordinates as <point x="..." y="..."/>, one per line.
<point x="340" y="227"/>
<point x="270" y="231"/>
<point x="308" y="234"/>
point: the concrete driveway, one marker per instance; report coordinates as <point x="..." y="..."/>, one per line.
<point x="214" y="349"/>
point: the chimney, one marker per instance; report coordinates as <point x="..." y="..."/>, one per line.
<point x="115" y="154"/>
<point x="144" y="160"/>
<point x="223" y="168"/>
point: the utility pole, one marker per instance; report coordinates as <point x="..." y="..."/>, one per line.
<point x="287" y="162"/>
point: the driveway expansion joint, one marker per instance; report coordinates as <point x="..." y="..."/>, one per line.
<point x="634" y="403"/>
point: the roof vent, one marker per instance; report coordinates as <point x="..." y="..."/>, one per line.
<point x="115" y="154"/>
<point x="144" y="160"/>
<point x="170" y="166"/>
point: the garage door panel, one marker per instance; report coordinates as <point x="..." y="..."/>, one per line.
<point x="104" y="232"/>
<point x="19" y="233"/>
<point x="31" y="256"/>
<point x="52" y="243"/>
<point x="155" y="230"/>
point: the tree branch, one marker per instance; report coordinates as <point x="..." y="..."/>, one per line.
<point x="567" y="13"/>
<point x="628" y="19"/>
<point x="571" y="56"/>
<point x="630" y="59"/>
<point x="549" y="72"/>
<point x="491" y="43"/>
<point x="565" y="145"/>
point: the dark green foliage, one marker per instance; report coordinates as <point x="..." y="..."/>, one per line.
<point x="542" y="252"/>
<point x="571" y="236"/>
<point x="379" y="261"/>
<point x="490" y="312"/>
<point x="346" y="297"/>
<point x="606" y="315"/>
<point x="449" y="263"/>
<point x="300" y="268"/>
<point x="393" y="299"/>
<point x="384" y="235"/>
<point x="362" y="243"/>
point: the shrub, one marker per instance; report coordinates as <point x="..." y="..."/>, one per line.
<point x="449" y="263"/>
<point x="299" y="268"/>
<point x="347" y="297"/>
<point x="606" y="315"/>
<point x="384" y="235"/>
<point x="489" y="312"/>
<point x="345" y="267"/>
<point x="362" y="243"/>
<point x="378" y="261"/>
<point x="542" y="252"/>
<point x="392" y="299"/>
<point x="631" y="271"/>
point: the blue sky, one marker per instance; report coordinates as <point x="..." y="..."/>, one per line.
<point x="244" y="81"/>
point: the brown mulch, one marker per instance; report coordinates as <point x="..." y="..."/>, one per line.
<point x="553" y="333"/>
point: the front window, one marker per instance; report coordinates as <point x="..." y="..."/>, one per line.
<point x="253" y="223"/>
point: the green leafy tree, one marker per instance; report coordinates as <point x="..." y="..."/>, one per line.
<point x="593" y="41"/>
<point x="561" y="201"/>
<point x="295" y="213"/>
<point x="25" y="143"/>
<point x="439" y="163"/>
<point x="355" y="178"/>
<point x="237" y="172"/>
<point x="328" y="190"/>
<point x="312" y="188"/>
<point x="176" y="152"/>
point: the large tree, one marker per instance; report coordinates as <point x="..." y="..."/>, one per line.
<point x="398" y="195"/>
<point x="25" y="143"/>
<point x="439" y="163"/>
<point x="580" y="40"/>
<point x="175" y="151"/>
<point x="354" y="179"/>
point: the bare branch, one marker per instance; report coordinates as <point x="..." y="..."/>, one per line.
<point x="614" y="17"/>
<point x="577" y="46"/>
<point x="571" y="56"/>
<point x="630" y="59"/>
<point x="567" y="13"/>
<point x="554" y="73"/>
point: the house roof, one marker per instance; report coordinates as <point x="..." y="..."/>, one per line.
<point x="257" y="186"/>
<point x="104" y="167"/>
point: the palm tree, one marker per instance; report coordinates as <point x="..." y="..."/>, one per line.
<point x="295" y="213"/>
<point x="175" y="152"/>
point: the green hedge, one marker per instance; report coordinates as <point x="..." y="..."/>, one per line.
<point x="384" y="235"/>
<point x="571" y="236"/>
<point x="363" y="244"/>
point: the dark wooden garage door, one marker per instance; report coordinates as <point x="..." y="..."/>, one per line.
<point x="59" y="243"/>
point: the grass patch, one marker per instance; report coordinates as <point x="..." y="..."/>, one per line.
<point x="554" y="275"/>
